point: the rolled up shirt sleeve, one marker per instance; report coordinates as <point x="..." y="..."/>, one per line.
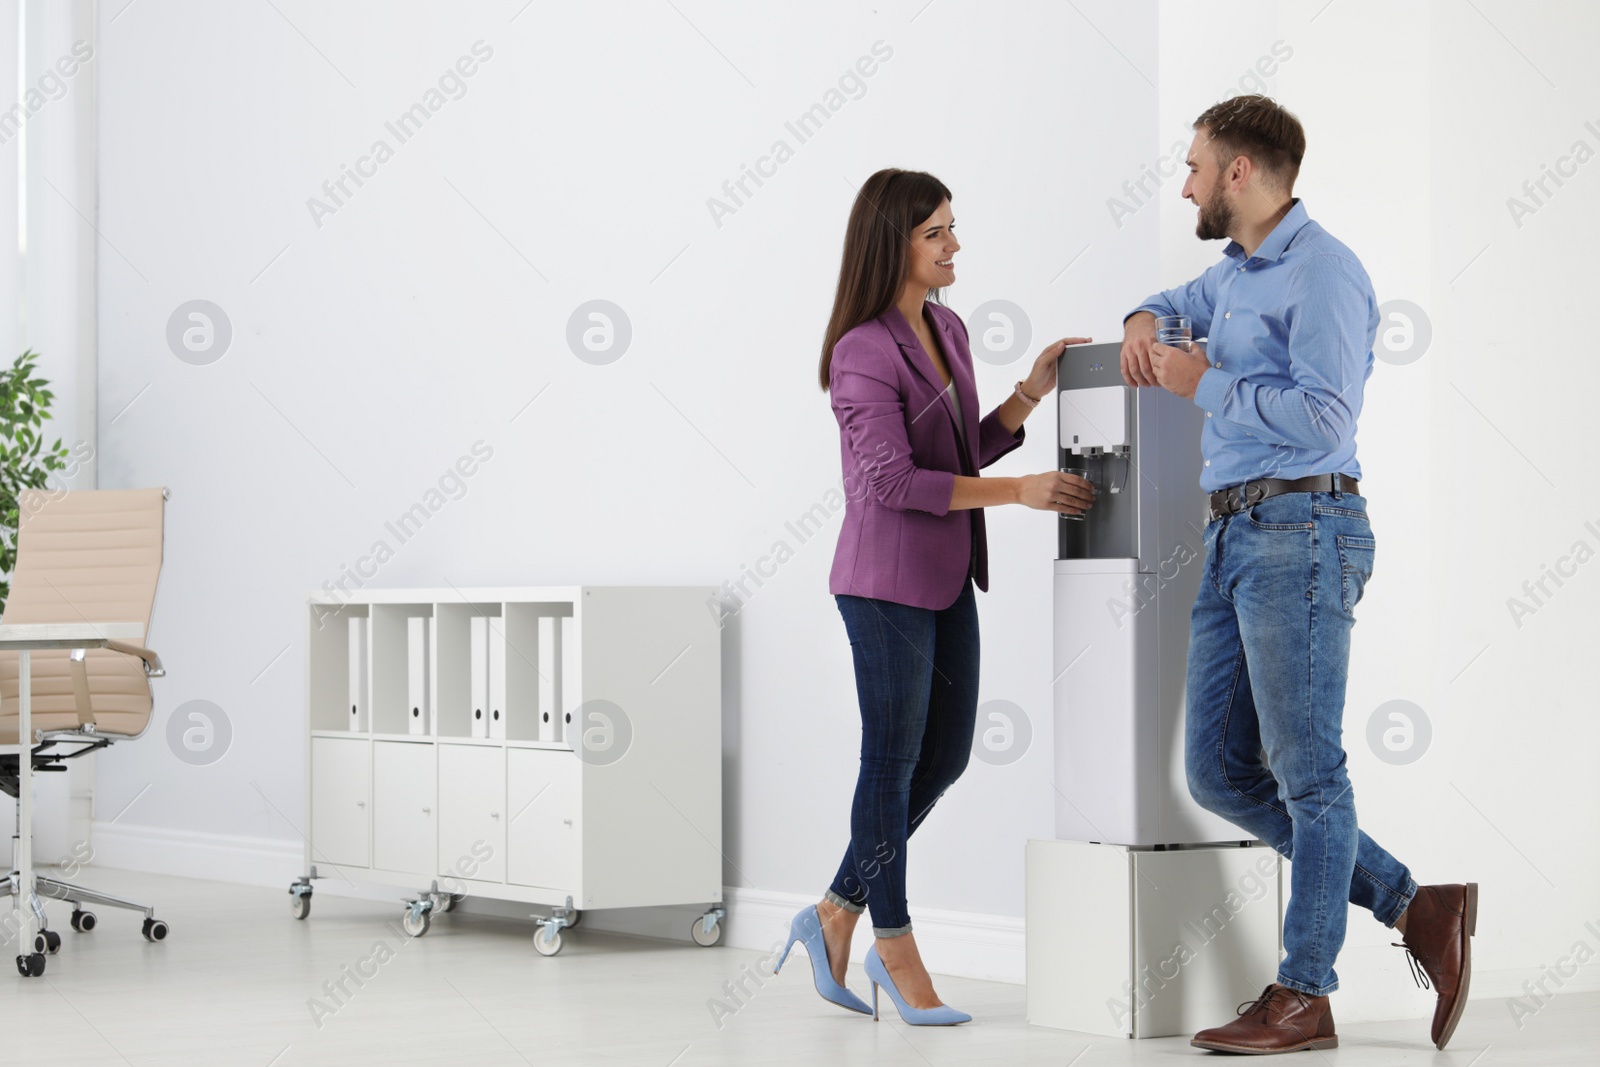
<point x="1196" y="298"/>
<point x="872" y="422"/>
<point x="1329" y="325"/>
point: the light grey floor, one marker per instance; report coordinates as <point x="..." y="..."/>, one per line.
<point x="232" y="986"/>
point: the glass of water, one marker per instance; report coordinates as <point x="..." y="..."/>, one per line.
<point x="1174" y="330"/>
<point x="1081" y="472"/>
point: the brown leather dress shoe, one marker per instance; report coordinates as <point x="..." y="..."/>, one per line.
<point x="1279" y="1020"/>
<point x="1440" y="922"/>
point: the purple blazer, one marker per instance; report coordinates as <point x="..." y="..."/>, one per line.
<point x="897" y="434"/>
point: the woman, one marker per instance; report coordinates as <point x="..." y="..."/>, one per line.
<point x="911" y="546"/>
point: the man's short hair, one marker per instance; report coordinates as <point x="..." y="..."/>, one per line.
<point x="1258" y="127"/>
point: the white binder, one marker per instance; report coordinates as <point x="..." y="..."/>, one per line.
<point x="478" y="665"/>
<point x="497" y="679"/>
<point x="433" y="678"/>
<point x="569" y="686"/>
<point x="358" y="674"/>
<point x="549" y="664"/>
<point x="417" y="706"/>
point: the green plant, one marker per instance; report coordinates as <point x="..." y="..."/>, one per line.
<point x="24" y="461"/>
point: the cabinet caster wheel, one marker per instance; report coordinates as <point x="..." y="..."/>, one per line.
<point x="574" y="917"/>
<point x="451" y="900"/>
<point x="46" y="942"/>
<point x="83" y="921"/>
<point x="703" y="937"/>
<point x="547" y="942"/>
<point x="155" y="930"/>
<point x="300" y="898"/>
<point x="31" y="966"/>
<point x="415" y="922"/>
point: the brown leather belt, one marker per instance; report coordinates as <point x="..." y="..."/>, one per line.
<point x="1236" y="498"/>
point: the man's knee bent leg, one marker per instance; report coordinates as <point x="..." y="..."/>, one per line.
<point x="1227" y="790"/>
<point x="1209" y="787"/>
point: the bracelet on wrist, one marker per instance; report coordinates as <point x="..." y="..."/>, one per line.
<point x="1026" y="399"/>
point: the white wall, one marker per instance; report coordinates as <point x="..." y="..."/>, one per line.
<point x="429" y="311"/>
<point x="1513" y="415"/>
<point x="377" y="348"/>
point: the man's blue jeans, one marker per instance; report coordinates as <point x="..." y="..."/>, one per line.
<point x="917" y="682"/>
<point x="1269" y="648"/>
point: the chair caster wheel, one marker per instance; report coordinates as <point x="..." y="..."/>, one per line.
<point x="83" y="921"/>
<point x="46" y="942"/>
<point x="155" y="930"/>
<point x="31" y="966"/>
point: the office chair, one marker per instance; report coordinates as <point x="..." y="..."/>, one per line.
<point x="83" y="556"/>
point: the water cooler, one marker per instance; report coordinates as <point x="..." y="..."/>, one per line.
<point x="1147" y="916"/>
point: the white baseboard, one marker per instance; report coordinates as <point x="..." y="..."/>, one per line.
<point x="1375" y="985"/>
<point x="191" y="854"/>
<point x="958" y="943"/>
<point x="962" y="944"/>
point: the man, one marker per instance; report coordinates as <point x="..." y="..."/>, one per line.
<point x="1290" y="317"/>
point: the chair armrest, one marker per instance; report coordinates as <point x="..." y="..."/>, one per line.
<point x="152" y="662"/>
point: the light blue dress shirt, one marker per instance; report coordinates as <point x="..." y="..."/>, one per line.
<point x="1291" y="331"/>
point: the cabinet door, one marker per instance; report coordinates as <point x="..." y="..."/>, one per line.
<point x="472" y="805"/>
<point x="404" y="783"/>
<point x="341" y="786"/>
<point x="543" y="838"/>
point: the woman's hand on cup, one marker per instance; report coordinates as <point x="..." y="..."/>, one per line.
<point x="1057" y="491"/>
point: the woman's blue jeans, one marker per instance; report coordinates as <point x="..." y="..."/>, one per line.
<point x="1269" y="647"/>
<point x="917" y="682"/>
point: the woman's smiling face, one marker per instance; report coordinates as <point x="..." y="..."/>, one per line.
<point x="933" y="249"/>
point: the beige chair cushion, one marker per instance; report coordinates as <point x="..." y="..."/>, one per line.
<point x="84" y="556"/>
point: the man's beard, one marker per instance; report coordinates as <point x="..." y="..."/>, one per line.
<point x="1216" y="215"/>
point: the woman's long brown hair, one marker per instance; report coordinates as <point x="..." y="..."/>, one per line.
<point x="877" y="249"/>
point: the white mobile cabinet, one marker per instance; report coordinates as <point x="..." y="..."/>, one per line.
<point x="559" y="746"/>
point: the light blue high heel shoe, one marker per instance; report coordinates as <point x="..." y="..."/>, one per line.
<point x="807" y="929"/>
<point x="943" y="1015"/>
